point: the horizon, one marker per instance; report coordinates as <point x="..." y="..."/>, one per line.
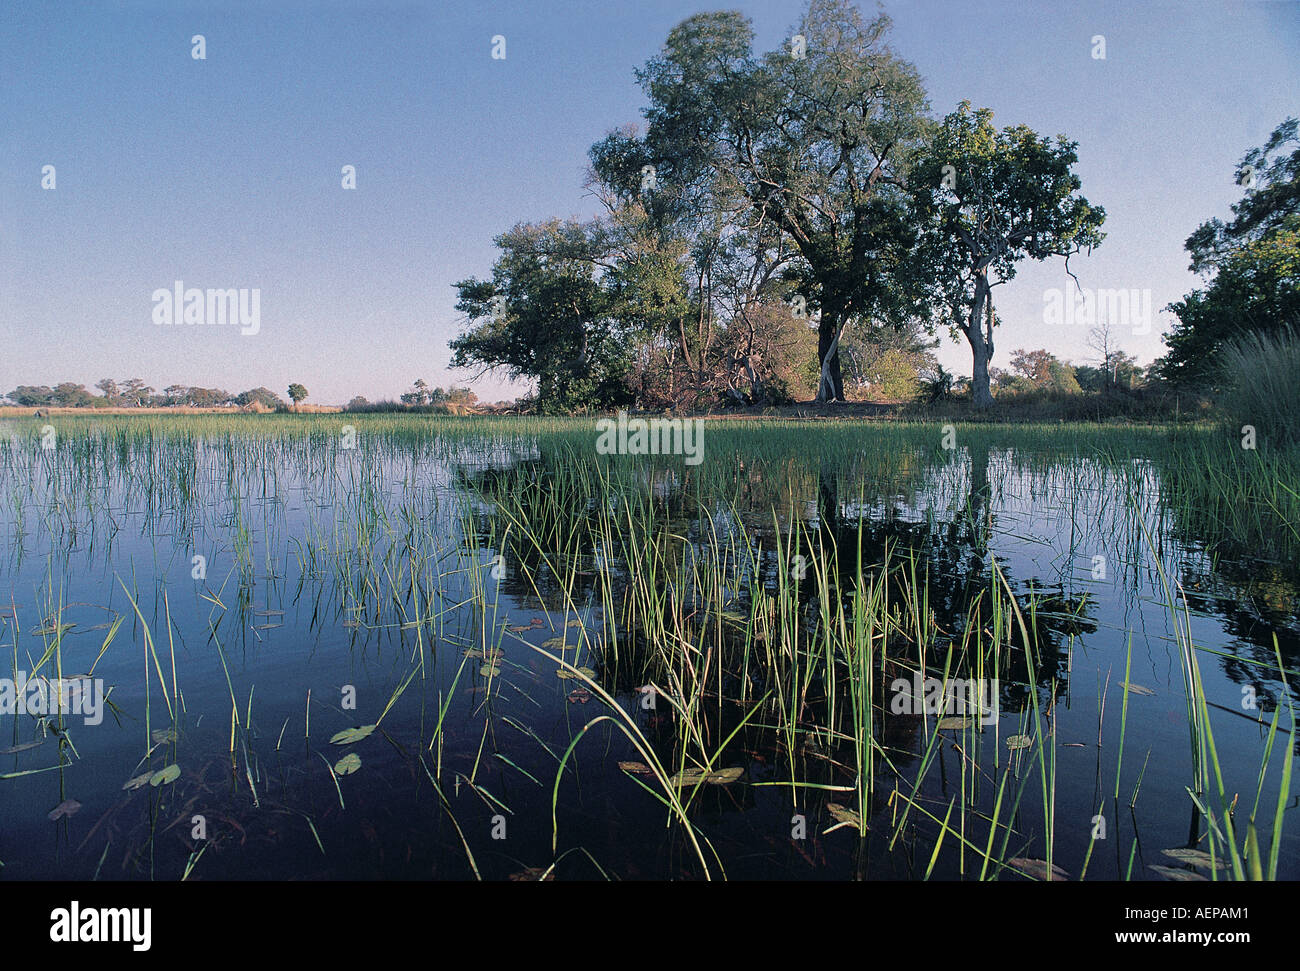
<point x="226" y="172"/>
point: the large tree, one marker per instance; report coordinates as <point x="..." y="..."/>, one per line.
<point x="1251" y="264"/>
<point x="31" y="395"/>
<point x="263" y="396"/>
<point x="72" y="395"/>
<point x="547" y="314"/>
<point x="109" y="388"/>
<point x="697" y="280"/>
<point x="990" y="198"/>
<point x="814" y="139"/>
<point x="135" y="393"/>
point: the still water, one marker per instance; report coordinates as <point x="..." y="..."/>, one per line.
<point x="244" y="599"/>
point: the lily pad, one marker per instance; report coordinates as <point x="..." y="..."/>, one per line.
<point x="348" y="764"/>
<point x="553" y="643"/>
<point x="843" y="814"/>
<point x="1037" y="868"/>
<point x="566" y="673"/>
<point x="1195" y="858"/>
<point x="52" y="629"/>
<point x="1136" y="689"/>
<point x="167" y="776"/>
<point x="1178" y="874"/>
<point x="66" y="808"/>
<point x="350" y="736"/>
<point x="718" y="777"/>
<point x="636" y="768"/>
<point x="1019" y="741"/>
<point x="954" y="721"/>
<point x="163" y="735"/>
<point x="130" y="785"/>
<point x="574" y="623"/>
<point x="489" y="670"/>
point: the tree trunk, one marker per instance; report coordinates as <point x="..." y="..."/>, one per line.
<point x="828" y="344"/>
<point x="981" y="345"/>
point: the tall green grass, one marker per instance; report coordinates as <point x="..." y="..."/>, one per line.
<point x="1261" y="372"/>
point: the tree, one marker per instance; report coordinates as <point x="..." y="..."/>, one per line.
<point x="990" y="198"/>
<point x="1043" y="371"/>
<point x="262" y="396"/>
<point x="462" y="397"/>
<point x="31" y="396"/>
<point x="547" y="314"/>
<point x="814" y="144"/>
<point x="297" y="393"/>
<point x="206" y="397"/>
<point x="888" y="364"/>
<point x="1270" y="205"/>
<point x="175" y="394"/>
<point x="135" y="393"/>
<point x="1117" y="369"/>
<point x="109" y="389"/>
<point x="70" y="395"/>
<point x="420" y="394"/>
<point x="1251" y="264"/>
<point x="1102" y="339"/>
<point x="1123" y="372"/>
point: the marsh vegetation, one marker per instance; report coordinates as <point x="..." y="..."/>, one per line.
<point x="358" y="646"/>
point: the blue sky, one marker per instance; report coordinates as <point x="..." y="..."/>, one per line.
<point x="225" y="172"/>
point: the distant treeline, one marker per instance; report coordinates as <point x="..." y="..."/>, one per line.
<point x="134" y="393"/>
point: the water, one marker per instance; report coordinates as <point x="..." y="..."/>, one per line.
<point x="285" y="580"/>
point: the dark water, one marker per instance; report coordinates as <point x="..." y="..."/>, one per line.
<point x="336" y="575"/>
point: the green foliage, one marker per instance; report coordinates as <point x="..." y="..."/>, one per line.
<point x="70" y="395"/>
<point x="548" y="314"/>
<point x="936" y="385"/>
<point x="297" y="393"/>
<point x="887" y="362"/>
<point x="206" y="397"/>
<point x="1256" y="290"/>
<point x="1252" y="263"/>
<point x="991" y="198"/>
<point x="1042" y="371"/>
<point x="31" y="396"/>
<point x="263" y="396"/>
<point x="802" y="154"/>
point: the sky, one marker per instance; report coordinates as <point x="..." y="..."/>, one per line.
<point x="226" y="172"/>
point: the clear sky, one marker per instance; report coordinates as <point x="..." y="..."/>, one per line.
<point x="226" y="172"/>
